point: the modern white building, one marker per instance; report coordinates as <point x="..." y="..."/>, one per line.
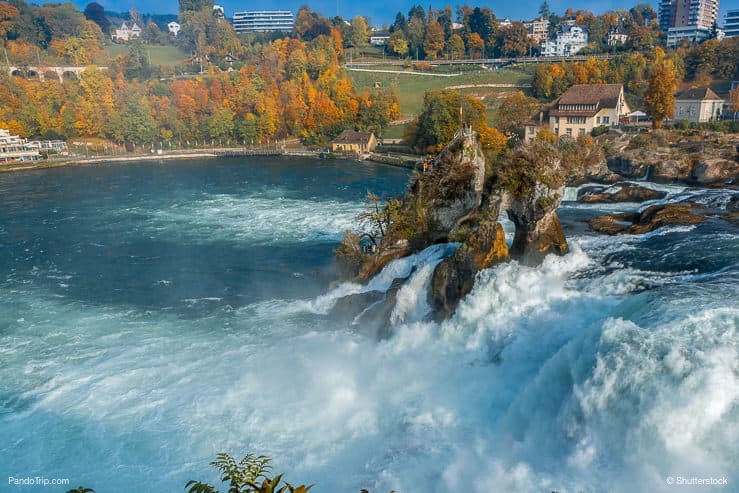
<point x="14" y="148"/>
<point x="174" y="27"/>
<point x="731" y="23"/>
<point x="565" y="43"/>
<point x="692" y="34"/>
<point x="263" y="21"/>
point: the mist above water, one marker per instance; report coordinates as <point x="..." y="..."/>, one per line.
<point x="201" y="323"/>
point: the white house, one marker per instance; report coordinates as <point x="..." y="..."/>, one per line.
<point x="126" y="32"/>
<point x="698" y="105"/>
<point x="567" y="42"/>
<point x="173" y="27"/>
<point x="616" y="38"/>
<point x="379" y="38"/>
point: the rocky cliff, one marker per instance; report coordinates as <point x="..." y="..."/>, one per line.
<point x="460" y="198"/>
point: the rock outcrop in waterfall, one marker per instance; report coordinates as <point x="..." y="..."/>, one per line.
<point x="459" y="199"/>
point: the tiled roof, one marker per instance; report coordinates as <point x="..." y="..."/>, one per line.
<point x="698" y="94"/>
<point x="605" y="94"/>
<point x="556" y="112"/>
<point x="353" y="137"/>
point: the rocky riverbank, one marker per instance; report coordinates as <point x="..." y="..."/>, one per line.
<point x="686" y="156"/>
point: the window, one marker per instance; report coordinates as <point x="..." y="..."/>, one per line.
<point x="581" y="131"/>
<point x="576" y="120"/>
<point x="597" y="120"/>
<point x="606" y="120"/>
<point x="569" y="131"/>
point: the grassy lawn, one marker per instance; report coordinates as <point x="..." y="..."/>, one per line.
<point x="394" y="132"/>
<point x="410" y="88"/>
<point x="159" y="55"/>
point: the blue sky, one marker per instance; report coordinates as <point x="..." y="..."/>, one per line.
<point x="383" y="11"/>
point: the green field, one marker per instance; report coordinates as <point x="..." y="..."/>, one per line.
<point x="410" y="88"/>
<point x="158" y="55"/>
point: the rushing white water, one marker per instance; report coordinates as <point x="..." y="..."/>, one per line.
<point x="266" y="217"/>
<point x="609" y="369"/>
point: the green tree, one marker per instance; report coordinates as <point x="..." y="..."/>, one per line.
<point x="221" y="125"/>
<point x="398" y="44"/>
<point x="96" y="13"/>
<point x="133" y="123"/>
<point x="359" y="32"/>
<point x="455" y="46"/>
<point x="440" y="119"/>
<point x="415" y="33"/>
<point x="195" y="5"/>
<point x="544" y="10"/>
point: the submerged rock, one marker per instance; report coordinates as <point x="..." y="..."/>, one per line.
<point x="710" y="171"/>
<point x="651" y="218"/>
<point x="620" y="193"/>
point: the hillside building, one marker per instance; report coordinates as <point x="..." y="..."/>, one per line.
<point x="354" y="141"/>
<point x="263" y="21"/>
<point x="566" y="42"/>
<point x="127" y="31"/>
<point x="13" y="148"/>
<point x="580" y="109"/>
<point x="538" y="29"/>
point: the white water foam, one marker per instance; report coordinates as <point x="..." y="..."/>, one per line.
<point x="260" y="218"/>
<point x="546" y="379"/>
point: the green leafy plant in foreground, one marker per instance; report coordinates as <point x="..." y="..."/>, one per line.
<point x="249" y="475"/>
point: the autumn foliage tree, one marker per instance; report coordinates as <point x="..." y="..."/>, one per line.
<point x="659" y="98"/>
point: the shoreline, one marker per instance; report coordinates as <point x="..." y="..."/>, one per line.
<point x="193" y="154"/>
<point x="75" y="161"/>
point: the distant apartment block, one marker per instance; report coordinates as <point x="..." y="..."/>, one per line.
<point x="684" y="13"/>
<point x="263" y="21"/>
<point x="567" y="42"/>
<point x="731" y="23"/>
<point x="538" y="29"/>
